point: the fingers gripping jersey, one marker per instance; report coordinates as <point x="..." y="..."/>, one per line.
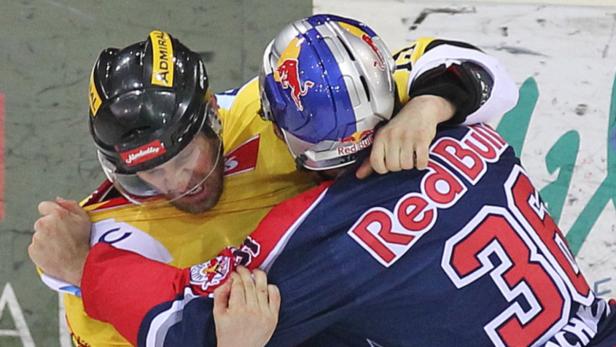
<point x="461" y="254"/>
<point x="159" y="283"/>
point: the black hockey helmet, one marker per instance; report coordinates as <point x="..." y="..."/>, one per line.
<point x="147" y="101"/>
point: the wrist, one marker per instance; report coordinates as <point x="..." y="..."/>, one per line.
<point x="74" y="273"/>
<point x="74" y="278"/>
<point x="440" y="108"/>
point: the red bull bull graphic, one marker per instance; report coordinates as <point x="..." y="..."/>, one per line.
<point x="206" y="277"/>
<point x="358" y="136"/>
<point x="379" y="63"/>
<point x="287" y="73"/>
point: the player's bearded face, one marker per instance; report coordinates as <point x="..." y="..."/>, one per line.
<point x="193" y="180"/>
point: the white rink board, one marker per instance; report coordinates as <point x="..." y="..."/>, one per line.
<point x="570" y="53"/>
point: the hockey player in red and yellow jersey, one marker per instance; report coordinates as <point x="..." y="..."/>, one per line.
<point x="256" y="176"/>
<point x="150" y="120"/>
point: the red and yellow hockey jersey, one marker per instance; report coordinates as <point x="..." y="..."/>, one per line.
<point x="259" y="173"/>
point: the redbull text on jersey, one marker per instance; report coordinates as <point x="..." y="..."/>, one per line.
<point x="388" y="236"/>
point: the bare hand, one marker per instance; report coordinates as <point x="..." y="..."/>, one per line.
<point x="404" y="142"/>
<point x="246" y="310"/>
<point x="61" y="240"/>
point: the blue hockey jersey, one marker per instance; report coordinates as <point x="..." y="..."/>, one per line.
<point x="461" y="254"/>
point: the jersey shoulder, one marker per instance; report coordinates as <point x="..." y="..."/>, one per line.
<point x="404" y="61"/>
<point x="239" y="113"/>
<point x="406" y="58"/>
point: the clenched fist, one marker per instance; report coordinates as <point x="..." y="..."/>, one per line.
<point x="403" y="143"/>
<point x="61" y="240"/>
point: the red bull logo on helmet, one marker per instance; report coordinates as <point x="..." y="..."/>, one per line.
<point x="379" y="63"/>
<point x="358" y="136"/>
<point x="287" y="73"/>
<point x="356" y="142"/>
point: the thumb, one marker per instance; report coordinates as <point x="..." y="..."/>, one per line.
<point x="71" y="205"/>
<point x="221" y="298"/>
<point x="364" y="170"/>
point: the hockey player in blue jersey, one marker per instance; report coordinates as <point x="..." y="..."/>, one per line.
<point x="461" y="254"/>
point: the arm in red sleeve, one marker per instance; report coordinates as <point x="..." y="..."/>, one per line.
<point x="120" y="287"/>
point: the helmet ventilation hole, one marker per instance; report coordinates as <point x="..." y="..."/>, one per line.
<point x="347" y="49"/>
<point x="365" y="85"/>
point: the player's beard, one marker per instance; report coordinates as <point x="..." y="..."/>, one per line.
<point x="209" y="191"/>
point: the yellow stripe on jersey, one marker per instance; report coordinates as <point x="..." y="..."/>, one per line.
<point x="420" y="48"/>
<point x="405" y="59"/>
